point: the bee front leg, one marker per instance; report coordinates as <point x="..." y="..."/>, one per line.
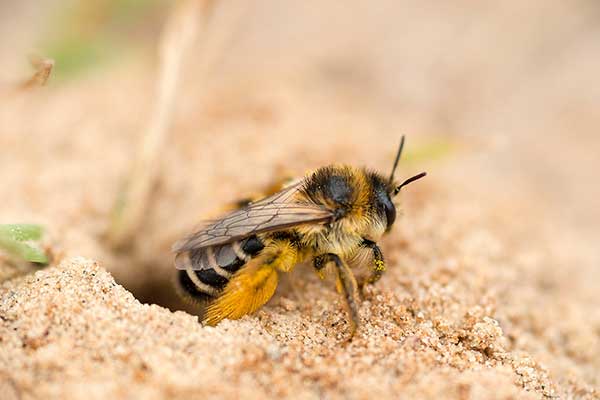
<point x="348" y="284"/>
<point x="377" y="265"/>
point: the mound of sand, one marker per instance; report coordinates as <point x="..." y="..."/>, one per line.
<point x="72" y="332"/>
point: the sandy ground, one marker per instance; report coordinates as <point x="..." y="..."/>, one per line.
<point x="492" y="282"/>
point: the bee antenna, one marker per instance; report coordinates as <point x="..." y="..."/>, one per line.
<point x="398" y="154"/>
<point x="409" y="180"/>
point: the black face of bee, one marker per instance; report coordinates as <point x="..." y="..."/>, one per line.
<point x="383" y="202"/>
<point x="390" y="210"/>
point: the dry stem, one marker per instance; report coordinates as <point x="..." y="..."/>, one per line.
<point x="43" y="68"/>
<point x="178" y="35"/>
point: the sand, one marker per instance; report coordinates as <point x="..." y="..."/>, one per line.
<point x="492" y="281"/>
<point x="85" y="336"/>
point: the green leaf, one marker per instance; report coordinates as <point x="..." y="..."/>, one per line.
<point x="21" y="232"/>
<point x="12" y="237"/>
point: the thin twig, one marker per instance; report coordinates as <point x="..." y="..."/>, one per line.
<point x="182" y="27"/>
<point x="43" y="68"/>
<point x="178" y="35"/>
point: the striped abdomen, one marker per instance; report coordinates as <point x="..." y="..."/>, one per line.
<point x="204" y="273"/>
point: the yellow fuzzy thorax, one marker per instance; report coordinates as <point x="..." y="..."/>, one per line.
<point x="344" y="236"/>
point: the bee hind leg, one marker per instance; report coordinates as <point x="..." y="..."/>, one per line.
<point x="253" y="285"/>
<point x="348" y="285"/>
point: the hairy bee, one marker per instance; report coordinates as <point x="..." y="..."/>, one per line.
<point x="328" y="217"/>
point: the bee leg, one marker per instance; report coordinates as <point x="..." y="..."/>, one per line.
<point x="348" y="285"/>
<point x="378" y="265"/>
<point x="253" y="285"/>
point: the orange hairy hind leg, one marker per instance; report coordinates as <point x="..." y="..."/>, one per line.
<point x="252" y="286"/>
<point x="244" y="294"/>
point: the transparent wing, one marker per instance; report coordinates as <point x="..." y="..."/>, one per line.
<point x="273" y="213"/>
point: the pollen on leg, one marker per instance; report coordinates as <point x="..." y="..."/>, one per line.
<point x="379" y="266"/>
<point x="321" y="273"/>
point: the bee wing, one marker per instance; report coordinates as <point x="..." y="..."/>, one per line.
<point x="273" y="213"/>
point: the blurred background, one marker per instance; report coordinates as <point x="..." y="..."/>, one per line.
<point x="508" y="90"/>
<point x="500" y="103"/>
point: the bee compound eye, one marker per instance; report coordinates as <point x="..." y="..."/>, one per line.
<point x="388" y="207"/>
<point x="390" y="213"/>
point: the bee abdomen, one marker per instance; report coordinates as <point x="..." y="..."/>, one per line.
<point x="189" y="289"/>
<point x="205" y="272"/>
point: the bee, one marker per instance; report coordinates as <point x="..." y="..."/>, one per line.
<point x="330" y="217"/>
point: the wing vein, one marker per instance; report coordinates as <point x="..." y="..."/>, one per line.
<point x="277" y="212"/>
